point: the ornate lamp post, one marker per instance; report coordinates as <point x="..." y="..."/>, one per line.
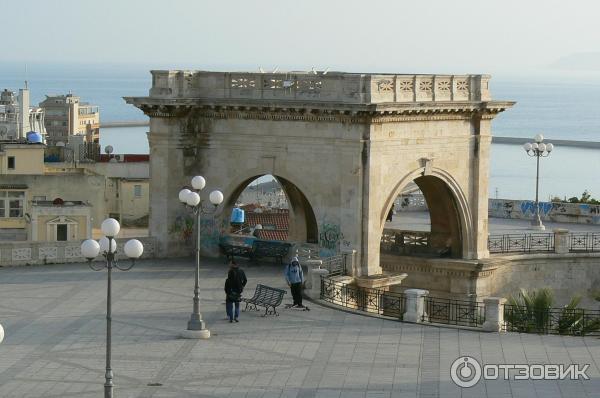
<point x="196" y="328"/>
<point x="538" y="149"/>
<point x="108" y="247"/>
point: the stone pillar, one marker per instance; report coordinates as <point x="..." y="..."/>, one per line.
<point x="561" y="240"/>
<point x="315" y="291"/>
<point x="415" y="305"/>
<point x="349" y="256"/>
<point x="494" y="314"/>
<point x="311" y="265"/>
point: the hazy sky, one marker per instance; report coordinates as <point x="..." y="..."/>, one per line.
<point x="460" y="36"/>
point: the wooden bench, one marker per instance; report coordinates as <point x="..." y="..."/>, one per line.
<point x="264" y="296"/>
<point x="260" y="248"/>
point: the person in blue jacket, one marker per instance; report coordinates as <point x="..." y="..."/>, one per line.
<point x="294" y="278"/>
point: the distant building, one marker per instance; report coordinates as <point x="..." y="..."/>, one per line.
<point x="66" y="115"/>
<point x="20" y="157"/>
<point x="59" y="220"/>
<point x="17" y="118"/>
<point x="274" y="223"/>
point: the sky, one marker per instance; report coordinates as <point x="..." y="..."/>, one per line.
<point x="424" y="36"/>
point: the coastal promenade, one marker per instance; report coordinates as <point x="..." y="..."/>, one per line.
<point x="54" y="318"/>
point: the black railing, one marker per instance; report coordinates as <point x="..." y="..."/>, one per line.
<point x="364" y="299"/>
<point x="566" y="321"/>
<point x="405" y="242"/>
<point x="584" y="242"/>
<point x="454" y="312"/>
<point x="336" y="265"/>
<point x="521" y="243"/>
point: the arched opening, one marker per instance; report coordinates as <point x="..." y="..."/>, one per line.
<point x="424" y="221"/>
<point x="274" y="209"/>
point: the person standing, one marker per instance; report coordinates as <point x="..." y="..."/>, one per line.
<point x="294" y="278"/>
<point x="239" y="274"/>
<point x="233" y="295"/>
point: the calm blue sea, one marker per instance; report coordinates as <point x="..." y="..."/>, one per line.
<point x="560" y="107"/>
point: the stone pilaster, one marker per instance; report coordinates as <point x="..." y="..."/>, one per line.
<point x="415" y="305"/>
<point x="494" y="314"/>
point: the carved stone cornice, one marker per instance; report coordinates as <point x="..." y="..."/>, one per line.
<point x="321" y="112"/>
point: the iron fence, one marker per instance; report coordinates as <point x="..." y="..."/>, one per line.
<point x="521" y="243"/>
<point x="364" y="299"/>
<point x="405" y="242"/>
<point x="565" y="321"/>
<point x="584" y="242"/>
<point x="454" y="312"/>
<point x="336" y="265"/>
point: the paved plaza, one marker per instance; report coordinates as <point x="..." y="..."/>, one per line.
<point x="55" y="333"/>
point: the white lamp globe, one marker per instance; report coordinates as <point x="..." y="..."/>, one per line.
<point x="542" y="147"/>
<point x="527" y="146"/>
<point x="549" y="147"/>
<point x="193" y="199"/>
<point x="538" y="138"/>
<point x="104" y="245"/>
<point x="534" y="146"/>
<point x="1" y="333"/>
<point x="216" y="197"/>
<point x="183" y="194"/>
<point x="133" y="248"/>
<point x="90" y="248"/>
<point x="198" y="182"/>
<point x="110" y="227"/>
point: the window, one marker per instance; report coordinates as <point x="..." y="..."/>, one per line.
<point x="11" y="162"/>
<point x="137" y="191"/>
<point x="11" y="203"/>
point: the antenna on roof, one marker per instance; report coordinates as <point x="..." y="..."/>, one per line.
<point x="276" y="69"/>
<point x="313" y="70"/>
<point x="326" y="70"/>
<point x="25" y="76"/>
<point x="261" y="69"/>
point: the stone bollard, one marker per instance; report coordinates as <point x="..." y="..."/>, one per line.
<point x="310" y="266"/>
<point x="494" y="314"/>
<point x="415" y="305"/>
<point x="315" y="291"/>
<point x="350" y="261"/>
<point x="561" y="240"/>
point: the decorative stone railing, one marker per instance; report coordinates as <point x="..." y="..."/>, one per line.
<point x="29" y="253"/>
<point x="320" y="87"/>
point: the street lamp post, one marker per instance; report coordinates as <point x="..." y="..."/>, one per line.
<point x="196" y="328"/>
<point x="108" y="247"/>
<point x="538" y="149"/>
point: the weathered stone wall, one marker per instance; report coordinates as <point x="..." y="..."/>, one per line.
<point x="580" y="213"/>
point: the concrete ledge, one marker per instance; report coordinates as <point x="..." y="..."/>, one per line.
<point x="196" y="334"/>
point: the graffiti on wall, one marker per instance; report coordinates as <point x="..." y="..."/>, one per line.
<point x="330" y="239"/>
<point x="210" y="233"/>
<point x="528" y="206"/>
<point x="182" y="228"/>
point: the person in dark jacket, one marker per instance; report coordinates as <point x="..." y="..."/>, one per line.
<point x="233" y="295"/>
<point x="239" y="274"/>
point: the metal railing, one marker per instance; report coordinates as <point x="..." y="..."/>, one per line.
<point x="336" y="265"/>
<point x="523" y="243"/>
<point x="405" y="242"/>
<point x="565" y="321"/>
<point x="454" y="312"/>
<point x="375" y="301"/>
<point x="584" y="242"/>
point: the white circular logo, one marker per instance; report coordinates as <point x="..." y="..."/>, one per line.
<point x="465" y="372"/>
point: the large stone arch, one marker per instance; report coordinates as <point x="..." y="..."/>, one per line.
<point x="450" y="216"/>
<point x="303" y="222"/>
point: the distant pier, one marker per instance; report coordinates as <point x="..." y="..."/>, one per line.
<point x="108" y="125"/>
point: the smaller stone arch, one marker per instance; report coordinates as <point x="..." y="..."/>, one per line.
<point x="303" y="225"/>
<point x="437" y="183"/>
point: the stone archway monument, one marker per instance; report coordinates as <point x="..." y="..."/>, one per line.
<point x="345" y="144"/>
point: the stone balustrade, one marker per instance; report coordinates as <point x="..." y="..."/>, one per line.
<point x="30" y="253"/>
<point x="353" y="88"/>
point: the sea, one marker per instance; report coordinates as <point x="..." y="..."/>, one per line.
<point x="562" y="106"/>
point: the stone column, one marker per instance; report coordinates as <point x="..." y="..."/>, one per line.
<point x="315" y="291"/>
<point x="415" y="305"/>
<point x="561" y="240"/>
<point x="494" y="314"/>
<point x="311" y="265"/>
